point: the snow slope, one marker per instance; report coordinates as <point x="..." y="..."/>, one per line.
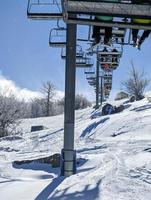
<point x="114" y="154"/>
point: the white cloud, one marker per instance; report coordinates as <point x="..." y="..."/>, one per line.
<point x="8" y="87"/>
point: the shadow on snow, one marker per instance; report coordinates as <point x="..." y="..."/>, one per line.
<point x="51" y="133"/>
<point x="93" y="126"/>
<point x="37" y="166"/>
<point x="92" y="149"/>
<point x="87" y="193"/>
<point x="142" y="108"/>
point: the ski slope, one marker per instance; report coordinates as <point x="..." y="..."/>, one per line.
<point x="113" y="152"/>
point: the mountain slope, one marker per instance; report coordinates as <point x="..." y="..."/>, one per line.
<point x="114" y="158"/>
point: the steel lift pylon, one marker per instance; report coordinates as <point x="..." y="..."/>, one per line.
<point x="83" y="12"/>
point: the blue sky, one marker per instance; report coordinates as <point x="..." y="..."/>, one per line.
<point x="27" y="59"/>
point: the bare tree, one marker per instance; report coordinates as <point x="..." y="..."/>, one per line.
<point x="136" y="82"/>
<point x="48" y="90"/>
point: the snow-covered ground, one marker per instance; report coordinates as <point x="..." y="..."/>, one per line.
<point x="114" y="154"/>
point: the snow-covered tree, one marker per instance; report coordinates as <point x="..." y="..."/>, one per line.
<point x="136" y="82"/>
<point x="81" y="102"/>
<point x="121" y="95"/>
<point x="37" y="107"/>
<point x="10" y="111"/>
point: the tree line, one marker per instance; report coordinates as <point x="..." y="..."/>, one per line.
<point x="12" y="109"/>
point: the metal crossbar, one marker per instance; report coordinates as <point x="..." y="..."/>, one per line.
<point x="84" y="11"/>
<point x="84" y="21"/>
<point x="107" y="8"/>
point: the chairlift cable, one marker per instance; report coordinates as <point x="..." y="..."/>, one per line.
<point x="57" y="4"/>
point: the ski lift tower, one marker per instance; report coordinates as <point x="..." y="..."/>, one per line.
<point x="82" y="12"/>
<point x="52" y="10"/>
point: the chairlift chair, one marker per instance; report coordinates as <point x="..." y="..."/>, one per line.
<point x="108" y="73"/>
<point x="63" y="52"/>
<point x="92" y="84"/>
<point x="119" y="32"/>
<point x="109" y="53"/>
<point x="84" y="62"/>
<point x="107" y="81"/>
<point x="104" y="58"/>
<point x="80" y="58"/>
<point x="108" y="87"/>
<point x="105" y="66"/>
<point x="79" y="51"/>
<point x="44" y="9"/>
<point x="106" y="92"/>
<point x="114" y="66"/>
<point x="118" y="35"/>
<point x="107" y="84"/>
<point x="57" y="37"/>
<point x="91" y="78"/>
<point x="107" y="77"/>
<point x="90" y="53"/>
<point x="106" y="96"/>
<point x="80" y="62"/>
<point x="109" y="58"/>
<point x="89" y="72"/>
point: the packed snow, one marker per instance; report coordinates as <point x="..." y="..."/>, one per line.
<point x="113" y="153"/>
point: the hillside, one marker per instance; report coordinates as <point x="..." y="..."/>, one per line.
<point x="114" y="154"/>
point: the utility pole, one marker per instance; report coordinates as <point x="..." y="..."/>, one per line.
<point x="68" y="153"/>
<point x="101" y="90"/>
<point x="97" y="81"/>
